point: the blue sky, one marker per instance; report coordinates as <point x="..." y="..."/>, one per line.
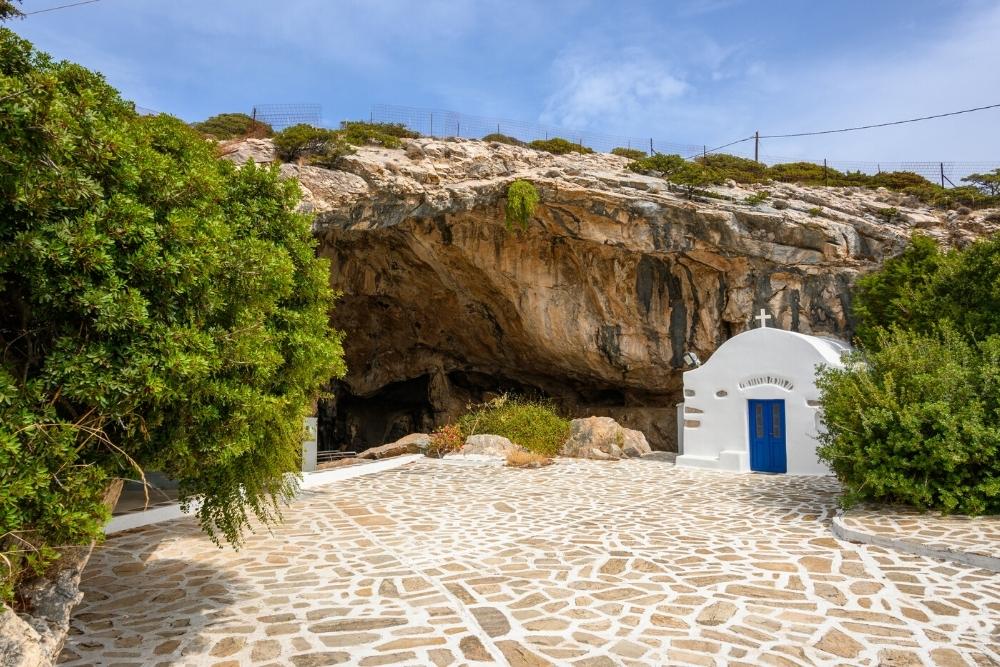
<point x="688" y="71"/>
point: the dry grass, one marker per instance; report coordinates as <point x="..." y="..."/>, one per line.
<point x="527" y="460"/>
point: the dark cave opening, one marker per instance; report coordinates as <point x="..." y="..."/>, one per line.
<point x="352" y="422"/>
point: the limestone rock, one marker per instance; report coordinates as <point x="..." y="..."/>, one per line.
<point x="20" y="644"/>
<point x="603" y="438"/>
<point x="489" y="445"/>
<point x="595" y="304"/>
<point x="410" y="444"/>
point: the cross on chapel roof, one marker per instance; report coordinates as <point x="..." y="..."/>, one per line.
<point x="763" y="317"/>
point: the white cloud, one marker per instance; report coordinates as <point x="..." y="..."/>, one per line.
<point x="615" y="91"/>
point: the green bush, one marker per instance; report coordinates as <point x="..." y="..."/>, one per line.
<point x="915" y="421"/>
<point x="630" y="153"/>
<point x="736" y="168"/>
<point x="534" y="425"/>
<point x="158" y="308"/>
<point x="757" y="198"/>
<point x="233" y="126"/>
<point x="522" y="197"/>
<point x="504" y="139"/>
<point x="924" y="286"/>
<point x="666" y="165"/>
<point x="559" y="146"/>
<point x="387" y="135"/>
<point x="300" y="141"/>
<point x="988" y="183"/>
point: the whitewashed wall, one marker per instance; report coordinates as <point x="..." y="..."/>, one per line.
<point x="763" y="363"/>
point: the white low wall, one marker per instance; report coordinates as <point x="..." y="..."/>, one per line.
<point x="310" y="480"/>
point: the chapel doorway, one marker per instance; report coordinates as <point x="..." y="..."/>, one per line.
<point x="767" y="435"/>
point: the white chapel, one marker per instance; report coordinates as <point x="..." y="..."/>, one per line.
<point x="754" y="405"/>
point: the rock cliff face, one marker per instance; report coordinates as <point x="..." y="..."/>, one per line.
<point x="595" y="304"/>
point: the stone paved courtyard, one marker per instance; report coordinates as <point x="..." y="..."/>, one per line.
<point x="582" y="562"/>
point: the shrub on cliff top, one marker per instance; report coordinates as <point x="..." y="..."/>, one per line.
<point x="522" y="197"/>
<point x="559" y="146"/>
<point x="534" y="425"/>
<point x="387" y="135"/>
<point x="232" y="126"/>
<point x="733" y="167"/>
<point x="631" y="153"/>
<point x="504" y="139"/>
<point x="313" y="145"/>
<point x="158" y="307"/>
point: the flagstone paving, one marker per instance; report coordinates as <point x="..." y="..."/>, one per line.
<point x="581" y="563"/>
<point x="974" y="540"/>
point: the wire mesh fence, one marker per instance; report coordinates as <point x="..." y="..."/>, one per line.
<point x="280" y="116"/>
<point x="444" y="123"/>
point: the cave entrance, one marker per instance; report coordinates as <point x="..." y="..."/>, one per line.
<point x="353" y="422"/>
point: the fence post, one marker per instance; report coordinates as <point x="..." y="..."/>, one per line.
<point x="704" y="152"/>
<point x="498" y="128"/>
<point x="253" y="116"/>
<point x="826" y="180"/>
<point x="651" y="153"/>
<point x="458" y="128"/>
<point x="942" y="174"/>
<point x="432" y="124"/>
<point x="756" y="146"/>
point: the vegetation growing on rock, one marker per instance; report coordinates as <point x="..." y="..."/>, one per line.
<point x="522" y="197"/>
<point x="916" y="417"/>
<point x="504" y="139"/>
<point x="559" y="146"/>
<point x="233" y="126"/>
<point x="534" y="425"/>
<point x="158" y="307"/>
<point x="387" y="135"/>
<point x="720" y="168"/>
<point x="631" y="153"/>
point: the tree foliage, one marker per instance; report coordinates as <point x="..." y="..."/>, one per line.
<point x="925" y="286"/>
<point x="232" y="126"/>
<point x="504" y="139"/>
<point x="559" y="146"/>
<point x="917" y="421"/>
<point x="9" y="10"/>
<point x="158" y="308"/>
<point x="989" y="182"/>
<point x="915" y="415"/>
<point x="741" y="170"/>
<point x="630" y="153"/>
<point x="314" y="145"/>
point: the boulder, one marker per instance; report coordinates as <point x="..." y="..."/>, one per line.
<point x="414" y="443"/>
<point x="20" y="644"/>
<point x="489" y="445"/>
<point x="604" y="439"/>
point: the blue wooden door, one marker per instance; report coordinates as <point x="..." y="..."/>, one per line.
<point x="767" y="436"/>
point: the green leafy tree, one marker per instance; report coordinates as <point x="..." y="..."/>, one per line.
<point x="692" y="176"/>
<point x="900" y="293"/>
<point x="989" y="182"/>
<point x="665" y="165"/>
<point x="158" y="307"/>
<point x="923" y="287"/>
<point x="313" y="145"/>
<point x="9" y="10"/>
<point x="630" y="153"/>
<point x="559" y="146"/>
<point x="504" y="139"/>
<point x="233" y="125"/>
<point x="916" y="420"/>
